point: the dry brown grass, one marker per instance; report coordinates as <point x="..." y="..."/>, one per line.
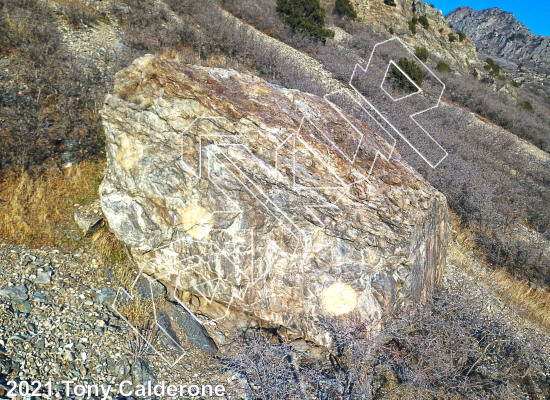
<point x="534" y="305"/>
<point x="113" y="256"/>
<point x="37" y="209"/>
<point x="139" y="312"/>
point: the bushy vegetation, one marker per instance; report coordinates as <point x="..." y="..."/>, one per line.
<point x="452" y="37"/>
<point x="462" y="36"/>
<point x="304" y="16"/>
<point x="526" y="105"/>
<point x="491" y="66"/>
<point x="412" y="26"/>
<point x="422" y="53"/>
<point x="344" y="8"/>
<point x="422" y="20"/>
<point x="412" y="69"/>
<point x="78" y="14"/>
<point x="442" y="66"/>
<point x="494" y="69"/>
<point x="49" y="102"/>
<point x="450" y="349"/>
<point x="390" y="3"/>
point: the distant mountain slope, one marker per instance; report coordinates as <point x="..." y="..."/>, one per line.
<point x="434" y="35"/>
<point x="500" y="35"/>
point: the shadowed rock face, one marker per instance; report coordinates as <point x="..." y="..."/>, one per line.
<point x="259" y="199"/>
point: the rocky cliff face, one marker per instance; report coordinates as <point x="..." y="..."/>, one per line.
<point x="265" y="200"/>
<point x="500" y="35"/>
<point x="435" y="38"/>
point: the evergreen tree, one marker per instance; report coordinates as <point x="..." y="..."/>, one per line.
<point x="412" y="69"/>
<point x="344" y="8"/>
<point x="422" y="20"/>
<point x="422" y="53"/>
<point x="304" y="16"/>
<point x="442" y="66"/>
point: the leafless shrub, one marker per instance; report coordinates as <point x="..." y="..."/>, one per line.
<point x="452" y="348"/>
<point x="274" y="370"/>
<point x="50" y="103"/>
<point x="501" y="110"/>
<point x="78" y="13"/>
<point x="138" y="342"/>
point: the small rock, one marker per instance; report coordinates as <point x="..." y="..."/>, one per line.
<point x="101" y="323"/>
<point x="147" y="288"/>
<point x="69" y="356"/>
<point x="172" y="339"/>
<point x="110" y="276"/>
<point x="106" y="295"/>
<point x="220" y="337"/>
<point x="31" y="328"/>
<point x="26" y="259"/>
<point x="16" y="294"/>
<point x="195" y="302"/>
<point x="18" y="337"/>
<point x="142" y="373"/>
<point x="43" y="278"/>
<point x="246" y="391"/>
<point x="122" y="369"/>
<point x="89" y="218"/>
<point x="5" y="365"/>
<point x="195" y="331"/>
<point x="24" y="307"/>
<point x="74" y="236"/>
<point x="39" y="297"/>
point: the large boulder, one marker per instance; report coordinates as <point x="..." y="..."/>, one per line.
<point x="263" y="200"/>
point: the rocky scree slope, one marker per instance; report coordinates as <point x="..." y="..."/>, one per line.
<point x="57" y="323"/>
<point x="268" y="207"/>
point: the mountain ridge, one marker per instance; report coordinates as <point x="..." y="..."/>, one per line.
<point x="499" y="34"/>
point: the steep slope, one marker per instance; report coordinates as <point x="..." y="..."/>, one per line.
<point x="500" y="35"/>
<point x="459" y="54"/>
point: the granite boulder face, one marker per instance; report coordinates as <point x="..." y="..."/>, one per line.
<point x="264" y="201"/>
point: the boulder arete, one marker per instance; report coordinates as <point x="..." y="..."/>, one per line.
<point x="265" y="200"/>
